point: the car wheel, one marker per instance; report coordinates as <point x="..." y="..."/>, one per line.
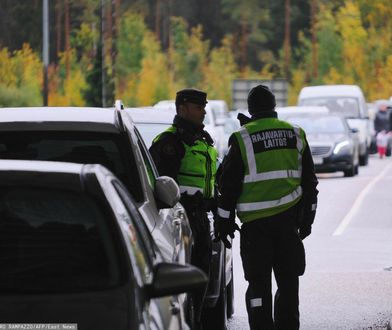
<point x="351" y="171"/>
<point x="190" y="311"/>
<point x="215" y="317"/>
<point x="364" y="159"/>
<point x="230" y="297"/>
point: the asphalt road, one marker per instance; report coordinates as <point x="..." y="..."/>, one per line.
<point x="348" y="281"/>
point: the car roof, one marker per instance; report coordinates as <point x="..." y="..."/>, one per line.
<point x="59" y="118"/>
<point x="52" y="174"/>
<point x="302" y="110"/>
<point x="330" y="90"/>
<point x="171" y="104"/>
<point x="152" y="115"/>
<point x="41" y="174"/>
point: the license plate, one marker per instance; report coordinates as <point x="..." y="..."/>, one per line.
<point x="317" y="160"/>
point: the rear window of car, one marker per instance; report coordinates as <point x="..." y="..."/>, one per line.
<point x="55" y="241"/>
<point x="347" y="106"/>
<point x="313" y="124"/>
<point x="149" y="131"/>
<point x="113" y="151"/>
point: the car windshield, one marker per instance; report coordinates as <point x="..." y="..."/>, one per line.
<point x="110" y="150"/>
<point x="55" y="241"/>
<point x="313" y="124"/>
<point x="149" y="131"/>
<point x="207" y="120"/>
<point x="348" y="106"/>
<point x="231" y="125"/>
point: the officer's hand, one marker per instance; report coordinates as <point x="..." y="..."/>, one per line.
<point x="305" y="232"/>
<point x="224" y="228"/>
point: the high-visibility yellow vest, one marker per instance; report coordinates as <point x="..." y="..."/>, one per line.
<point x="198" y="167"/>
<point x="271" y="151"/>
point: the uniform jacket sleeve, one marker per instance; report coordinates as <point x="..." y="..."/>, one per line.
<point x="230" y="177"/>
<point x="167" y="153"/>
<point x="309" y="184"/>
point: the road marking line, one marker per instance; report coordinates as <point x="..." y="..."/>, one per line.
<point x="350" y="215"/>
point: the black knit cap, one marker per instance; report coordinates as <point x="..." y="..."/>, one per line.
<point x="191" y="95"/>
<point x="260" y="98"/>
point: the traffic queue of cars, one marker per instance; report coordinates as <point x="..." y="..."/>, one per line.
<point x="110" y="138"/>
<point x="109" y="245"/>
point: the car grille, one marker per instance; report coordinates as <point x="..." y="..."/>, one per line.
<point x="320" y="150"/>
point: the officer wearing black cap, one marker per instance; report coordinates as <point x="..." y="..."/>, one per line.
<point x="186" y="153"/>
<point x="268" y="181"/>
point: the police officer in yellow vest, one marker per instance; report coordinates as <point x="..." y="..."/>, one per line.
<point x="186" y="153"/>
<point x="268" y="178"/>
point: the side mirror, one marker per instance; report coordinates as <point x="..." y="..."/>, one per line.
<point x="171" y="279"/>
<point x="166" y="191"/>
<point x="354" y="130"/>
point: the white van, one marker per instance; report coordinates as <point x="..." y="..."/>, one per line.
<point x="347" y="100"/>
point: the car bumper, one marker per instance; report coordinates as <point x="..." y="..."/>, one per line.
<point x="333" y="163"/>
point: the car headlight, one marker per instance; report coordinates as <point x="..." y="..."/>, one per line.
<point x="341" y="146"/>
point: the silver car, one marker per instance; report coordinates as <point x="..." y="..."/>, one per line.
<point x="75" y="250"/>
<point x="220" y="296"/>
<point x="334" y="145"/>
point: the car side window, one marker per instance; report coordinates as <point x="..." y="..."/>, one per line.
<point x="137" y="232"/>
<point x="57" y="241"/>
<point x="111" y="150"/>
<point x="151" y="169"/>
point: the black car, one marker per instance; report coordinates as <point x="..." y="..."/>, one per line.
<point x="334" y="145"/>
<point x="73" y="249"/>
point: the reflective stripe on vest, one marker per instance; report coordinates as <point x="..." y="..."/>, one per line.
<point x="223" y="213"/>
<point x="253" y="176"/>
<point x="245" y="207"/>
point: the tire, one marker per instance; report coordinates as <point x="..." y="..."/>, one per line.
<point x="230" y="297"/>
<point x="356" y="169"/>
<point x="350" y="172"/>
<point x="364" y="159"/>
<point x="190" y="311"/>
<point x="215" y="318"/>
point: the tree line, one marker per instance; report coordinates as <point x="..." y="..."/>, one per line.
<point x="142" y="51"/>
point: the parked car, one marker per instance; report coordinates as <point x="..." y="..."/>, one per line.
<point x="219" y="109"/>
<point x="334" y="145"/>
<point x="347" y="100"/>
<point x="231" y="125"/>
<point x="75" y="249"/>
<point x="220" y="294"/>
<point x="210" y="123"/>
<point x="110" y="138"/>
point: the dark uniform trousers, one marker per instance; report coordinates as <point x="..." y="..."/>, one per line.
<point x="272" y="244"/>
